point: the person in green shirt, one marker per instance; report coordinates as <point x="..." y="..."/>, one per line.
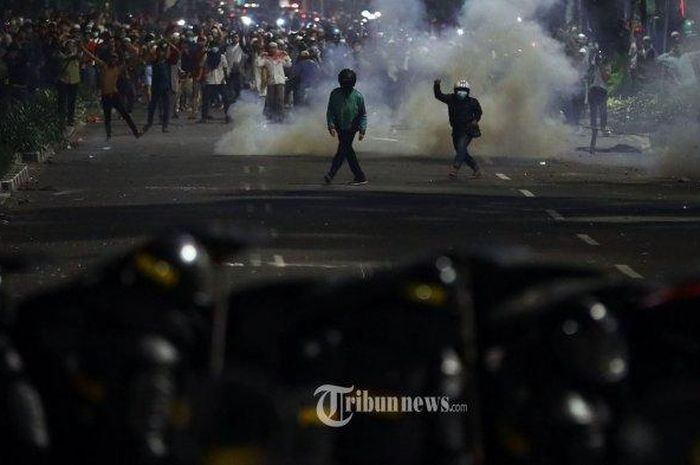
<point x="67" y="82"/>
<point x="346" y="117"/>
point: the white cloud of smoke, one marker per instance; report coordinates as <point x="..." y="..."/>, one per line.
<point x="679" y="154"/>
<point x="515" y="70"/>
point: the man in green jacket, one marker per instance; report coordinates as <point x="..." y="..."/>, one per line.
<point x="346" y="117"/>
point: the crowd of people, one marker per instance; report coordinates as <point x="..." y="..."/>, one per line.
<point x="642" y="69"/>
<point x="185" y="67"/>
<point x="174" y="68"/>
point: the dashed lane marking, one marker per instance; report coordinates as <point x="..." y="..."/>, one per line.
<point x="588" y="239"/>
<point x="502" y="176"/>
<point x="628" y="271"/>
<point x="256" y="260"/>
<point x="555" y="215"/>
<point x="635" y="219"/>
<point x="279" y="261"/>
<point x="526" y="193"/>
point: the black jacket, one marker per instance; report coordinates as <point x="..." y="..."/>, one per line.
<point x="462" y="112"/>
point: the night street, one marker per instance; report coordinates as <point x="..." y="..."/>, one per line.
<point x="350" y="232"/>
<point x="100" y="198"/>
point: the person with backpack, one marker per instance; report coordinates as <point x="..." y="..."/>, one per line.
<point x="465" y="113"/>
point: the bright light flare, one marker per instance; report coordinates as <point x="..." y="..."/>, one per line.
<point x="188" y="253"/>
<point x="246" y="20"/>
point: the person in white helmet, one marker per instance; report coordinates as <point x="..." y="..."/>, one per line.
<point x="465" y="113"/>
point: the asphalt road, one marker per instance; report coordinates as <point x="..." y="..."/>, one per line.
<point x="101" y="198"/>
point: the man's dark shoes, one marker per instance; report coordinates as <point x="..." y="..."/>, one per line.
<point x="358" y="183"/>
<point x="327" y="180"/>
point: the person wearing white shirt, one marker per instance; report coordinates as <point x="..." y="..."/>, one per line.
<point x="234" y="57"/>
<point x="216" y="67"/>
<point x="275" y="62"/>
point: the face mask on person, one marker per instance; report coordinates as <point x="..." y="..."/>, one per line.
<point x="462" y="94"/>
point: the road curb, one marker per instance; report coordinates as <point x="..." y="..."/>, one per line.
<point x="38" y="156"/>
<point x="17" y="177"/>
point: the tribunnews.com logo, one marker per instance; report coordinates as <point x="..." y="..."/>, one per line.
<point x="337" y="404"/>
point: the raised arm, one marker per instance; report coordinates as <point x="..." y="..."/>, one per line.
<point x="173" y="47"/>
<point x="438" y="93"/>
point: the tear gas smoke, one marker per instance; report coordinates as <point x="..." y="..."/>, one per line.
<point x="516" y="70"/>
<point x="679" y="156"/>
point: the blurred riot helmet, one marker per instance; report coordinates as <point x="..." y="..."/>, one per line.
<point x="589" y="343"/>
<point x="175" y="267"/>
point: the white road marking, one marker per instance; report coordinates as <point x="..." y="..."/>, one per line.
<point x="235" y="264"/>
<point x="278" y="261"/>
<point x="363" y="267"/>
<point x="635" y="219"/>
<point x="182" y="188"/>
<point x="67" y="192"/>
<point x="526" y="193"/>
<point x="628" y="271"/>
<point x="246" y="186"/>
<point x="556" y="216"/>
<point x="502" y="176"/>
<point x="256" y="260"/>
<point x="384" y="139"/>
<point x="588" y="239"/>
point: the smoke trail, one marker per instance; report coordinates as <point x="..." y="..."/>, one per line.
<point x="408" y="13"/>
<point x="515" y="70"/>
